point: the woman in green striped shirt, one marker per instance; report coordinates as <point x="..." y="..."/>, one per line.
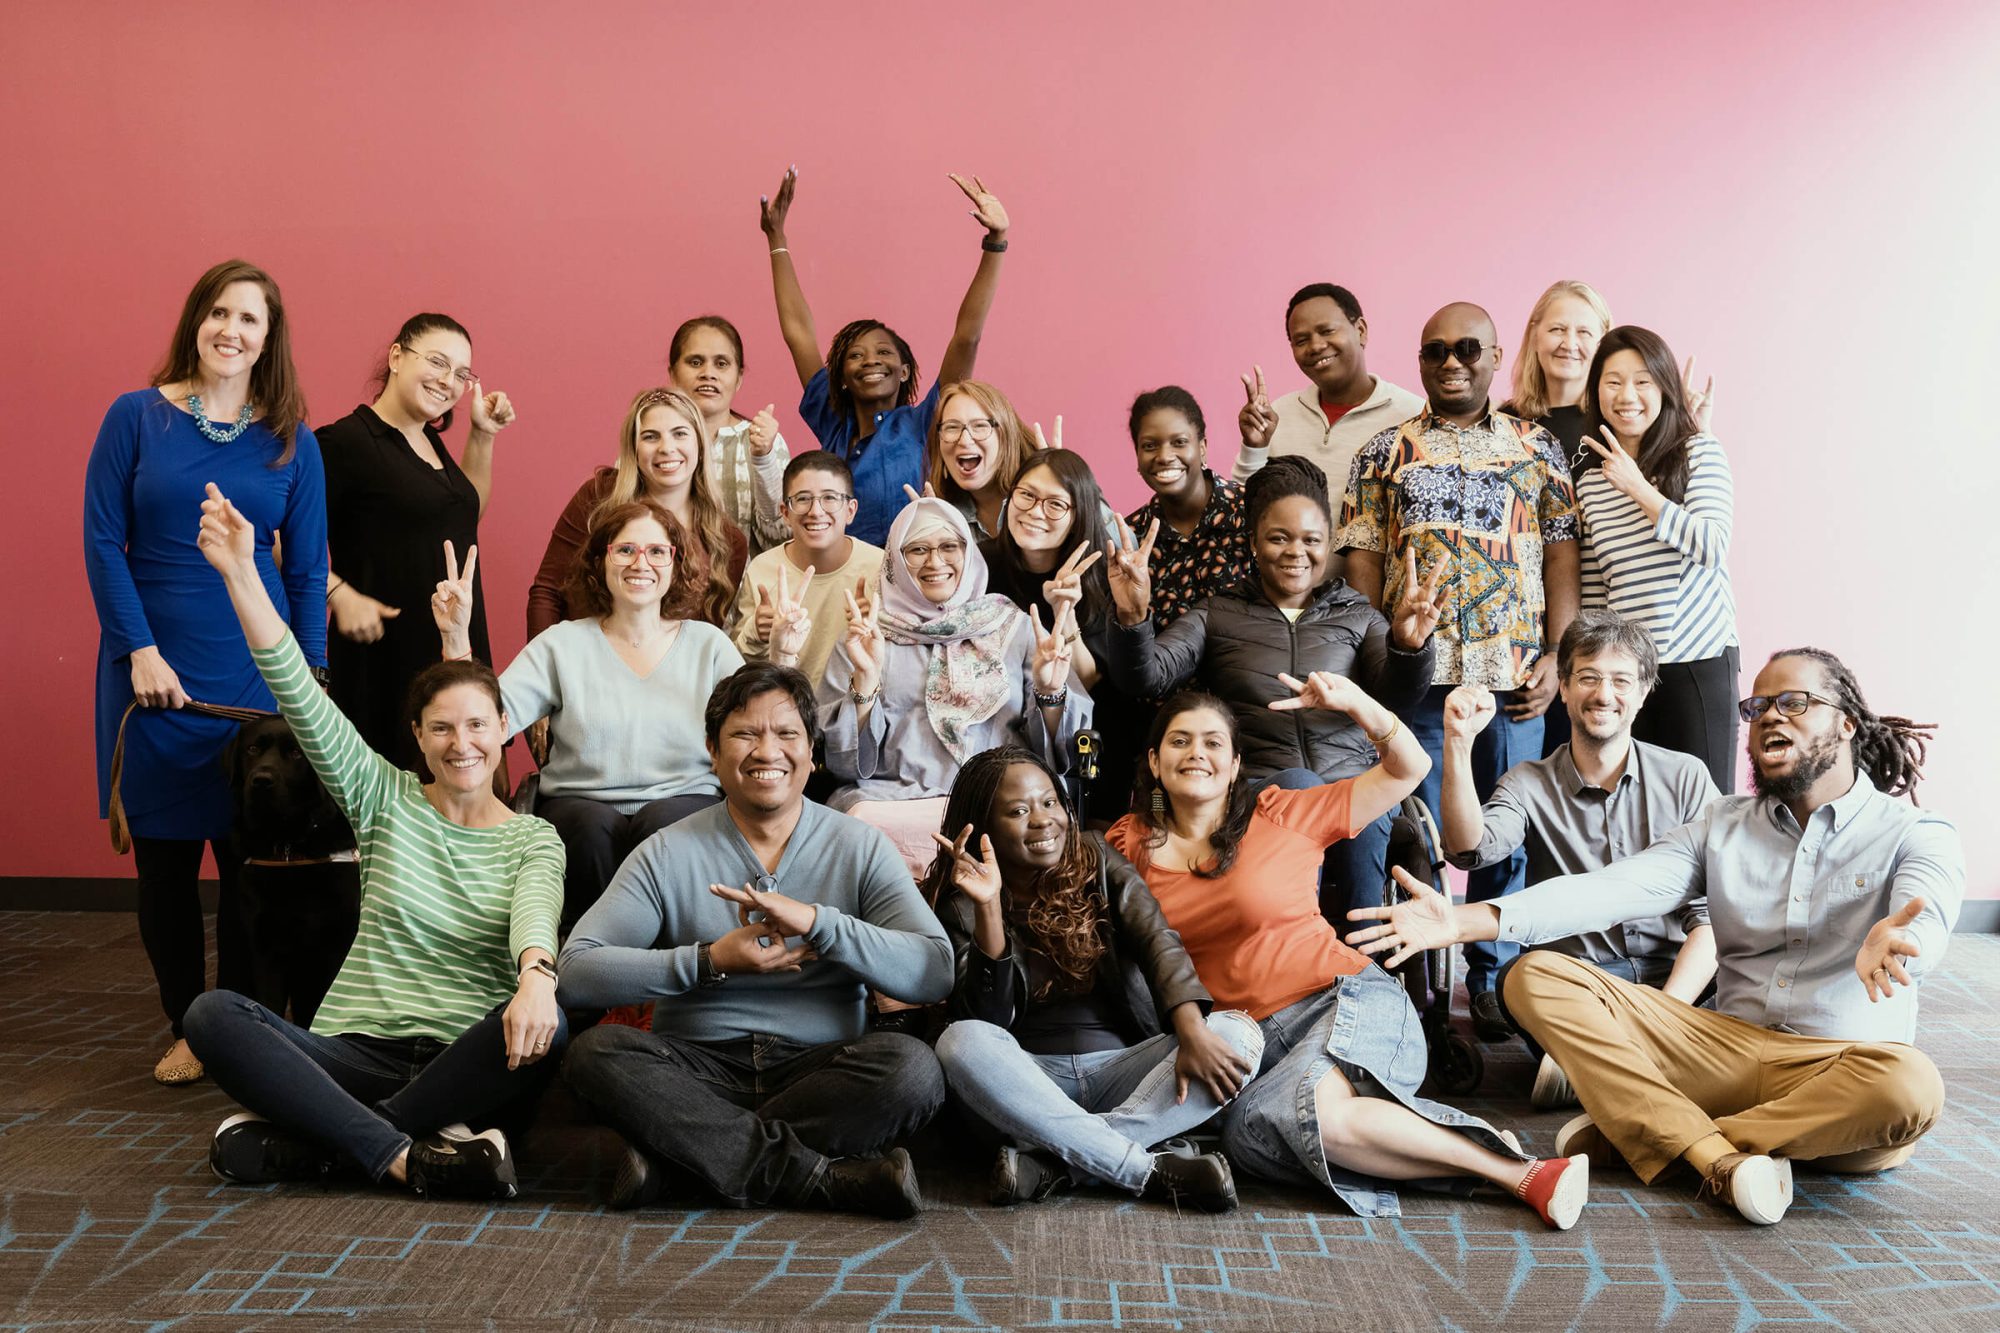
<point x="445" y="1009"/>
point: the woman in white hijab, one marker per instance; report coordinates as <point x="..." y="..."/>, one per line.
<point x="933" y="670"/>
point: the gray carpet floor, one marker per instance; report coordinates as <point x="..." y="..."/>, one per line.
<point x="110" y="1218"/>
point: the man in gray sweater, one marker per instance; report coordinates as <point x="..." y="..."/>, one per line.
<point x="757" y="928"/>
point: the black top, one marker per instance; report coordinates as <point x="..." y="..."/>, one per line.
<point x="388" y="516"/>
<point x="1566" y="424"/>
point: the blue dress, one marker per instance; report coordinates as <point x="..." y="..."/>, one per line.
<point x="142" y="499"/>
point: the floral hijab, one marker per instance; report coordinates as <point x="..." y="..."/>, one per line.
<point x="965" y="641"/>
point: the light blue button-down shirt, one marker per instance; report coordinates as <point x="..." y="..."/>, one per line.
<point x="1790" y="905"/>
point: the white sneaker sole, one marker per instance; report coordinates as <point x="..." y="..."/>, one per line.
<point x="1762" y="1193"/>
<point x="1571" y="1193"/>
<point x="1552" y="1088"/>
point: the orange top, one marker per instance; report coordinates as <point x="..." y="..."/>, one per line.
<point x="1256" y="934"/>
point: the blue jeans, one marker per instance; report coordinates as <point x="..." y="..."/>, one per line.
<point x="1356" y="869"/>
<point x="365" y="1096"/>
<point x="756" y="1119"/>
<point x="1502" y="745"/>
<point x="1101" y="1112"/>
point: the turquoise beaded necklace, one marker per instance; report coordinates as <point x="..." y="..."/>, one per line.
<point x="220" y="434"/>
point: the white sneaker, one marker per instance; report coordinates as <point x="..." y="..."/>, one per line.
<point x="1757" y="1186"/>
<point x="1552" y="1089"/>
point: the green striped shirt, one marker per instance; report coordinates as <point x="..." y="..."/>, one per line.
<point x="445" y="911"/>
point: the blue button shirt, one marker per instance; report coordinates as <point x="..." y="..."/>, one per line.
<point x="884" y="463"/>
<point x="1790" y="905"/>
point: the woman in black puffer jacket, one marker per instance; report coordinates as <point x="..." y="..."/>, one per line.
<point x="1252" y="646"/>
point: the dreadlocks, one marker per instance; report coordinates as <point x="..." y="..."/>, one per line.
<point x="1890" y="750"/>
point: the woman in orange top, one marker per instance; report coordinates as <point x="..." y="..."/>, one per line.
<point x="1237" y="876"/>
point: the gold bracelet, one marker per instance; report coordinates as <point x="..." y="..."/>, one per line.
<point x="1379" y="741"/>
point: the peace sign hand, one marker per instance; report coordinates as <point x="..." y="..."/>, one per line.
<point x="1258" y="420"/>
<point x="977" y="877"/>
<point x="451" y="604"/>
<point x="986" y="209"/>
<point x="1042" y="444"/>
<point x="1621" y="469"/>
<point x="1128" y="568"/>
<point x="790" y="619"/>
<point x="1065" y="586"/>
<point x="1701" y="402"/>
<point x="863" y="639"/>
<point x="771" y="213"/>
<point x="1419" y="606"/>
<point x="491" y="412"/>
<point x="1050" y="668"/>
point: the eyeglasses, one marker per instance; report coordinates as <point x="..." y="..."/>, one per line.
<point x="463" y="374"/>
<point x="1437" y="351"/>
<point x="1622" y="686"/>
<point x="921" y="552"/>
<point x="658" y="553"/>
<point x="1791" y="703"/>
<point x="981" y="430"/>
<point x="1054" y="507"/>
<point x="803" y="502"/>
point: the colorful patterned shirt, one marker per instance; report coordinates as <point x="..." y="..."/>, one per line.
<point x="1214" y="558"/>
<point x="1488" y="498"/>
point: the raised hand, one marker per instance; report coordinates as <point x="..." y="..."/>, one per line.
<point x="1467" y="710"/>
<point x="1050" y="668"/>
<point x="1701" y="402"/>
<point x="491" y="412"/>
<point x="1622" y="470"/>
<point x="451" y="604"/>
<point x="1258" y="420"/>
<point x="1320" y="689"/>
<point x="227" y="539"/>
<point x="790" y="620"/>
<point x="1128" y="568"/>
<point x="1880" y="961"/>
<point x="1419" y="606"/>
<point x="1042" y="444"/>
<point x="763" y="432"/>
<point x="986" y="209"/>
<point x="1422" y="921"/>
<point x="771" y="212"/>
<point x="977" y="877"/>
<point x="1065" y="586"/>
<point x="863" y="639"/>
<point x="912" y="494"/>
<point x="777" y="914"/>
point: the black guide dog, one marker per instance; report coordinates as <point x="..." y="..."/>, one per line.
<point x="301" y="879"/>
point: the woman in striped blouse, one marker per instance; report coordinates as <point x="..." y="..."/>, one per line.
<point x="445" y="1010"/>
<point x="1656" y="520"/>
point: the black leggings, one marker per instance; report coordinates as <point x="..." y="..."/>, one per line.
<point x="1693" y="710"/>
<point x="170" y="924"/>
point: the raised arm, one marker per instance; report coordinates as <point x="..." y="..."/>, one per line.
<point x="491" y="414"/>
<point x="962" y="352"/>
<point x="795" y="317"/>
<point x="1401" y="762"/>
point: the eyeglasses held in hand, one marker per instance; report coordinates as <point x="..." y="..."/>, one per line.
<point x="981" y="430"/>
<point x="1791" y="703"/>
<point x="1437" y="351"/>
<point x="803" y="502"/>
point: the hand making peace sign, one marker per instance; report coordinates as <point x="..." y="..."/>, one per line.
<point x="1050" y="668"/>
<point x="864" y="640"/>
<point x="1128" y="568"/>
<point x="451" y="604"/>
<point x="1064" y="588"/>
<point x="977" y="877"/>
<point x="785" y="624"/>
<point x="1258" y="419"/>
<point x="1419" y="606"/>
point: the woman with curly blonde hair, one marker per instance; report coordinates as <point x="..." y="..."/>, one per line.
<point x="1082" y="1036"/>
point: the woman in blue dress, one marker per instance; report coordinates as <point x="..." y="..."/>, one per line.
<point x="224" y="407"/>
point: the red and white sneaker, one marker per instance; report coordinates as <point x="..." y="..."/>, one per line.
<point x="1556" y="1188"/>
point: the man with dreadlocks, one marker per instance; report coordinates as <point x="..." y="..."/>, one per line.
<point x="1829" y="900"/>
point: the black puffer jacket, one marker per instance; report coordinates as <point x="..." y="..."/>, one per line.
<point x="1144" y="953"/>
<point x="1234" y="645"/>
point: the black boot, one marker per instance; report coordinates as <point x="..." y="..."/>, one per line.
<point x="884" y="1186"/>
<point x="1206" y="1181"/>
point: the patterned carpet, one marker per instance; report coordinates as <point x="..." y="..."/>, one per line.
<point x="109" y="1218"/>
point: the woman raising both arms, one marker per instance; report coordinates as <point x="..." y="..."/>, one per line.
<point x="1335" y="1101"/>
<point x="861" y="397"/>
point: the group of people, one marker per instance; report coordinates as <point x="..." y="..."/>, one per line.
<point x="903" y="768"/>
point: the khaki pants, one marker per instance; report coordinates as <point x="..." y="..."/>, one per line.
<point x="1657" y="1075"/>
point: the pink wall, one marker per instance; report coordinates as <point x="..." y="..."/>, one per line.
<point x="1802" y="198"/>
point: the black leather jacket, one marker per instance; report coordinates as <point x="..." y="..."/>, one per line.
<point x="1144" y="953"/>
<point x="1235" y="644"/>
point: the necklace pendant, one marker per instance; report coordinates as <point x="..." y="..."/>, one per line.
<point x="220" y="434"/>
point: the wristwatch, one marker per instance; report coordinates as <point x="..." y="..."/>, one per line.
<point x="704" y="967"/>
<point x="540" y="965"/>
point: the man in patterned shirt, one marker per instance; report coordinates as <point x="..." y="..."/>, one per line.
<point x="1489" y="495"/>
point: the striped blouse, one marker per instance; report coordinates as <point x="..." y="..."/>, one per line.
<point x="1671" y="576"/>
<point x="445" y="910"/>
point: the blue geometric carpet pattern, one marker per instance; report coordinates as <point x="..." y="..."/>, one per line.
<point x="110" y="1219"/>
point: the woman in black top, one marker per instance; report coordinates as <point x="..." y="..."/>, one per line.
<point x="1069" y="980"/>
<point x="394" y="497"/>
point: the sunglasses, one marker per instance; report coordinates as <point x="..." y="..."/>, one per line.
<point x="1437" y="351"/>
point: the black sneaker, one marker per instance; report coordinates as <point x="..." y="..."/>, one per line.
<point x="884" y="1186"/>
<point x="1488" y="1022"/>
<point x="249" y="1150"/>
<point x="638" y="1183"/>
<point x="1205" y="1181"/>
<point x="476" y="1167"/>
<point x="1020" y="1176"/>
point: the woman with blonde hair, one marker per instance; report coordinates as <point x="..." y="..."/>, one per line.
<point x="1554" y="364"/>
<point x="660" y="458"/>
<point x="978" y="448"/>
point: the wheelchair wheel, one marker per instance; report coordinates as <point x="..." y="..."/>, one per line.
<point x="1456" y="1064"/>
